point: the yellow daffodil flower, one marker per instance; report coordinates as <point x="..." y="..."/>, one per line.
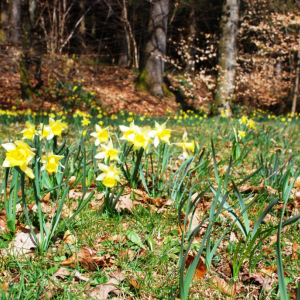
<point x="160" y="134"/>
<point x="109" y="175"/>
<point x="241" y="134"/>
<point x="185" y="145"/>
<point x="251" y="124"/>
<point x="19" y="154"/>
<point x="45" y="132"/>
<point x="29" y="132"/>
<point x="57" y="127"/>
<point x="51" y="162"/>
<point x="108" y="152"/>
<point x="101" y="135"/>
<point x="243" y="120"/>
<point x="141" y="138"/>
<point x="129" y="132"/>
<point x="85" y="122"/>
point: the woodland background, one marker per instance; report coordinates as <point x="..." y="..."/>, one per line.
<point x="109" y="43"/>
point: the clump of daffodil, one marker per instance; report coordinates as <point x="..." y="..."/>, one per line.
<point x="141" y="138"/>
<point x="109" y="176"/>
<point x="185" y="145"/>
<point x="19" y="154"/>
<point x="128" y="132"/>
<point x="29" y="132"/>
<point x="101" y="135"/>
<point x="160" y="134"/>
<point x="85" y="122"/>
<point x="51" y="162"/>
<point x="57" y="127"/>
<point x="108" y="151"/>
<point x="241" y="134"/>
<point x="251" y="124"/>
<point x="45" y="132"/>
<point x="243" y="120"/>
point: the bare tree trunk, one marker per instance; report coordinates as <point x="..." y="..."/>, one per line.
<point x="4" y="18"/>
<point x="151" y="75"/>
<point x="296" y="85"/>
<point x="26" y="89"/>
<point x="227" y="58"/>
<point x="129" y="54"/>
<point x="190" y="59"/>
<point x="15" y="16"/>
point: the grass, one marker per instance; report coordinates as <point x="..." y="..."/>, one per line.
<point x="149" y="258"/>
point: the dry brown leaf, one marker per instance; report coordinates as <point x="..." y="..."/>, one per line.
<point x="102" y="291"/>
<point x="233" y="237"/>
<point x="61" y="272"/>
<point x="80" y="277"/>
<point x="264" y="281"/>
<point x="225" y="287"/>
<point x="269" y="271"/>
<point x="134" y="284"/>
<point x="3" y="222"/>
<point x="75" y="194"/>
<point x="127" y="254"/>
<point x="124" y="203"/>
<point x="297" y="183"/>
<point x="86" y="257"/>
<point x="24" y="243"/>
<point x="294" y="251"/>
<point x="69" y="238"/>
<point x="200" y="269"/>
<point x="71" y="181"/>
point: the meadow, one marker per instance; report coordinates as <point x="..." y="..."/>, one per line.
<point x="127" y="206"/>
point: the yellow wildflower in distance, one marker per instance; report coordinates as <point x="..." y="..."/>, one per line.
<point x="101" y="135"/>
<point x="29" y="132"/>
<point x="51" y="162"/>
<point x="108" y="152"/>
<point x="19" y="154"/>
<point x="160" y="134"/>
<point x="185" y="145"/>
<point x="109" y="175"/>
<point x="241" y="134"/>
<point x="251" y="124"/>
<point x="57" y="127"/>
<point x="85" y="122"/>
<point x="243" y="120"/>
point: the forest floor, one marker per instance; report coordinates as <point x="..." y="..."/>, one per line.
<point x="113" y="88"/>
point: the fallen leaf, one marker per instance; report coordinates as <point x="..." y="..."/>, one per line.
<point x="294" y="251"/>
<point x="23" y="243"/>
<point x="297" y="182"/>
<point x="134" y="284"/>
<point x="61" y="272"/>
<point x="102" y="291"/>
<point x="69" y="238"/>
<point x="124" y="203"/>
<point x="80" y="277"/>
<point x="3" y="222"/>
<point x="266" y="282"/>
<point x="225" y="287"/>
<point x="86" y="257"/>
<point x="200" y="269"/>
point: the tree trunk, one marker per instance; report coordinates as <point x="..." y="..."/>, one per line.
<point x="227" y="58"/>
<point x="14" y="20"/>
<point x="190" y="56"/>
<point x="26" y="89"/>
<point x="151" y="76"/>
<point x="4" y="18"/>
<point x="296" y="85"/>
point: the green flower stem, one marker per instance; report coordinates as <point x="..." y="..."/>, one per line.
<point x="134" y="177"/>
